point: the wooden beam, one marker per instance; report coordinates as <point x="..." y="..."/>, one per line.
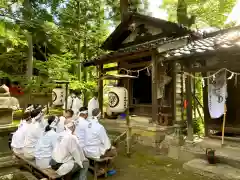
<point x="229" y="65"/>
<point x="205" y="105"/>
<point x="189" y="108"/>
<point x="128" y="66"/>
<point x="115" y="68"/>
<point x="154" y="88"/>
<point x="100" y="88"/>
<point x="137" y="64"/>
<point x="124" y="57"/>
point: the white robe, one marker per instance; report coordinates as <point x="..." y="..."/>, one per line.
<point x="60" y="125"/>
<point x="19" y="137"/>
<point x="81" y="126"/>
<point x="33" y="134"/>
<point x="67" y="151"/>
<point x="44" y="148"/>
<point x="96" y="140"/>
<point x="74" y="103"/>
<point x="92" y="104"/>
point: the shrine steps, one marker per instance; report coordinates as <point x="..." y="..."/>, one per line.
<point x="227" y="158"/>
<point x="217" y="171"/>
<point x="228" y="154"/>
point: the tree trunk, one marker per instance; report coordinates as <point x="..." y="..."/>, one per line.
<point x="124" y="9"/>
<point x="85" y="68"/>
<point x="27" y="17"/>
<point x="79" y="69"/>
<point x="30" y="56"/>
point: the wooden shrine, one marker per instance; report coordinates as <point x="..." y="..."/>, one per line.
<point x="136" y="46"/>
<point x="214" y="52"/>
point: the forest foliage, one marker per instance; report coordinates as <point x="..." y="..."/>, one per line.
<point x="67" y="32"/>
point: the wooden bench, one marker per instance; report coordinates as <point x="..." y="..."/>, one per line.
<point x="30" y="165"/>
<point x="94" y="166"/>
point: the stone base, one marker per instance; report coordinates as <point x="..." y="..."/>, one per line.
<point x="218" y="171"/>
<point x="6" y="116"/>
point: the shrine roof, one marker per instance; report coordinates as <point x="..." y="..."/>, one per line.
<point x="227" y="40"/>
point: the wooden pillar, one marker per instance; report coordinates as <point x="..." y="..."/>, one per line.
<point x="128" y="123"/>
<point x="205" y="105"/>
<point x="174" y="91"/>
<point x="100" y="88"/>
<point x="189" y="108"/>
<point x="154" y="89"/>
<point x="205" y="101"/>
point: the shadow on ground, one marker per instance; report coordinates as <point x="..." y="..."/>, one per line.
<point x="144" y="164"/>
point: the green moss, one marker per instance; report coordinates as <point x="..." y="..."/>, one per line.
<point x="16" y="122"/>
<point x="55" y="111"/>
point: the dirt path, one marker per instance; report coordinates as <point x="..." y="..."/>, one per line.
<point x="144" y="165"/>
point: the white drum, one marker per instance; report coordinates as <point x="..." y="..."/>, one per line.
<point x="58" y="96"/>
<point x="118" y="99"/>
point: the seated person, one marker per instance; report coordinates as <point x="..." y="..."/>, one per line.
<point x="68" y="159"/>
<point x="35" y="130"/>
<point x="19" y="136"/>
<point x="45" y="145"/>
<point x="81" y="125"/>
<point x="97" y="143"/>
<point x="67" y="117"/>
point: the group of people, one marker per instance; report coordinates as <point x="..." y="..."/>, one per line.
<point x="74" y="102"/>
<point x="63" y="143"/>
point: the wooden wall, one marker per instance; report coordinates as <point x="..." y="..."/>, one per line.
<point x="163" y="105"/>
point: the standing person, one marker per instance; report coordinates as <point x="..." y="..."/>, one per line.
<point x="81" y="125"/>
<point x="93" y="104"/>
<point x="19" y="136"/>
<point x="97" y="142"/>
<point x="77" y="103"/>
<point x="68" y="159"/>
<point x="74" y="102"/>
<point x="46" y="144"/>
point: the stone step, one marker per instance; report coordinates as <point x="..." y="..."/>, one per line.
<point x="216" y="143"/>
<point x="228" y="154"/>
<point x="223" y="155"/>
<point x="218" y="171"/>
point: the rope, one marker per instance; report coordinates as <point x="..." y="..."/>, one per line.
<point x="213" y="75"/>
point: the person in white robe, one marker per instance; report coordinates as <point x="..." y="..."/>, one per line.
<point x="35" y="130"/>
<point x="46" y="144"/>
<point x="81" y="125"/>
<point x="67" y="117"/>
<point x="18" y="137"/>
<point x="97" y="142"/>
<point x="93" y="104"/>
<point x="68" y="159"/>
<point x="74" y="102"/>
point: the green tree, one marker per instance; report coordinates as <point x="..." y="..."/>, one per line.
<point x="208" y="13"/>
